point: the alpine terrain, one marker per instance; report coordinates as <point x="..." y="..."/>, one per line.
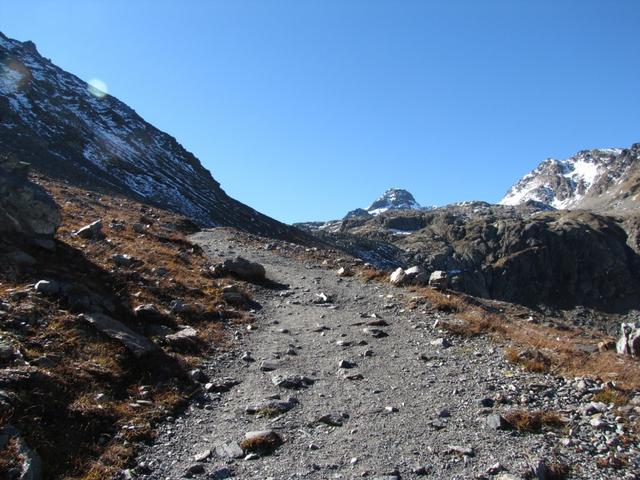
<point x="152" y="327"/>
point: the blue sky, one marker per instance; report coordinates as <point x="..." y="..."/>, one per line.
<point x="307" y="109"/>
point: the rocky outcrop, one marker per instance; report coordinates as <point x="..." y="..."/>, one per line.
<point x="629" y="342"/>
<point x="525" y="254"/>
<point x="26" y="210"/>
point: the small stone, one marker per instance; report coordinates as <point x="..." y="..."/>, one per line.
<point x="332" y="419"/>
<point x="196" y="469"/>
<point x="346" y="364"/>
<point x="497" y="422"/>
<point x="229" y="450"/>
<point x="93" y="231"/>
<point x="465" y="451"/>
<point x="252" y="456"/>
<point x="390" y="409"/>
<point x="246" y="357"/>
<point x="202" y="456"/>
<point x="222" y="473"/>
<point x="441" y="343"/>
<point x="262" y="441"/>
<point x="375" y="332"/>
<point x="267" y="366"/>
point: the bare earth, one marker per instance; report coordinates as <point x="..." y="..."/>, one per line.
<point x="409" y="411"/>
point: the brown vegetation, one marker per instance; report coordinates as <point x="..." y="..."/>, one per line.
<point x="533" y="421"/>
<point x="534" y="346"/>
<point x="81" y="400"/>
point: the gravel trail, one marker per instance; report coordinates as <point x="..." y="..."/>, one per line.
<point x="408" y="406"/>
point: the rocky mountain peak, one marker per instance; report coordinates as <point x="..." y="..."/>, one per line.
<point x="598" y="179"/>
<point x="393" y="199"/>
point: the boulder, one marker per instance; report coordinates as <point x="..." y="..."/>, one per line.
<point x="263" y="441"/>
<point x="416" y="275"/>
<point x="137" y="344"/>
<point x="243" y="269"/>
<point x="26" y="210"/>
<point x="397" y="277"/>
<point x="123" y="260"/>
<point x="31" y="463"/>
<point x="439" y="279"/>
<point x="93" y="231"/>
<point x="47" y="287"/>
<point x="629" y="342"/>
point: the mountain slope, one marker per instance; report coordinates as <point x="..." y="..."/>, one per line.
<point x="50" y="118"/>
<point x="601" y="179"/>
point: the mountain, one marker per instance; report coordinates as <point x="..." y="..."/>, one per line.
<point x="393" y="199"/>
<point x="54" y="121"/>
<point x="600" y="180"/>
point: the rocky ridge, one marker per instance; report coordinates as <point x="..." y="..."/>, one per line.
<point x="54" y="121"/>
<point x="600" y="179"/>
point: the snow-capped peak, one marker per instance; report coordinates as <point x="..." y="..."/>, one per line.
<point x="568" y="183"/>
<point x="393" y="199"/>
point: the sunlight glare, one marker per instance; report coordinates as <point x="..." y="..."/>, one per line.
<point x="97" y="88"/>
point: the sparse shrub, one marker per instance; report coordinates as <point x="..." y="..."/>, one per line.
<point x="533" y="421"/>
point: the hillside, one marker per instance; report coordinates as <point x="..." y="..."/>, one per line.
<point x="54" y="121"/>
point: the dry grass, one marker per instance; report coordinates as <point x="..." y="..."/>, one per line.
<point x="612" y="396"/>
<point x="56" y="408"/>
<point x="559" y="350"/>
<point x="371" y="274"/>
<point x="533" y="421"/>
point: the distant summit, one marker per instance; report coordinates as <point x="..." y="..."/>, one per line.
<point x="392" y="199"/>
<point x="599" y="179"/>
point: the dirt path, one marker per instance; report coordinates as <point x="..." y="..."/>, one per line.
<point x="408" y="406"/>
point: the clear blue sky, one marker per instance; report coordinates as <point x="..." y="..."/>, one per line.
<point x="306" y="109"/>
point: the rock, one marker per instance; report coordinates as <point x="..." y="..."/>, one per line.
<point x="26" y="209"/>
<point x="229" y="450"/>
<point x="195" y="469"/>
<point x="222" y="473"/>
<point x="322" y="298"/>
<point x="375" y="332"/>
<point x="465" y="451"/>
<point x="132" y="341"/>
<point x="7" y="352"/>
<point x="391" y="409"/>
<point x="292" y="381"/>
<point x="202" y="456"/>
<point x="271" y="407"/>
<point x="184" y="338"/>
<point x="262" y="442"/>
<point x="198" y="375"/>
<point x="18" y="258"/>
<point x="416" y="275"/>
<point x="123" y="260"/>
<point x="333" y="419"/>
<point x="346" y="364"/>
<point x="220" y="385"/>
<point x="140" y="228"/>
<point x="148" y="313"/>
<point x="246" y="357"/>
<point x="244" y="269"/>
<point x="497" y="422"/>
<point x="31" y="463"/>
<point x="629" y="342"/>
<point x="397" y="277"/>
<point x="93" y="231"/>
<point x="267" y="366"/>
<point x="440" y="343"/>
<point x="234" y="298"/>
<point x="344" y="272"/>
<point x="439" y="279"/>
<point x="47" y="287"/>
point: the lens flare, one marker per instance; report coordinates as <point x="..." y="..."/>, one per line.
<point x="97" y="88"/>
